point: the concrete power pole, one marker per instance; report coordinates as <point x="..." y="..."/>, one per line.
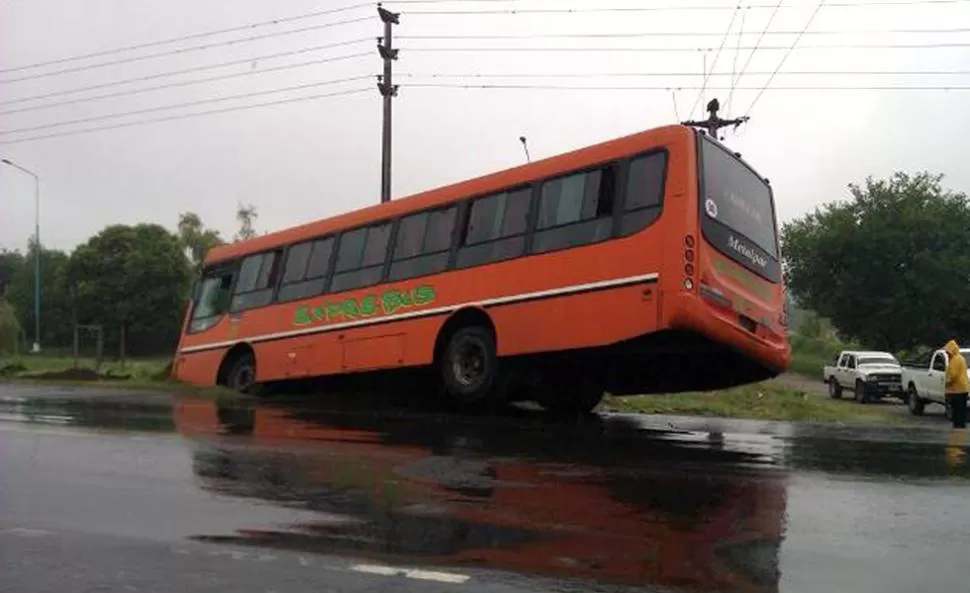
<point x="713" y="123"/>
<point x="388" y="90"/>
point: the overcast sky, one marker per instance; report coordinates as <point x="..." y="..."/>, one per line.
<point x="310" y="159"/>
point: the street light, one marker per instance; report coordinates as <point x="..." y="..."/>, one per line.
<point x="525" y="147"/>
<point x="36" y="347"/>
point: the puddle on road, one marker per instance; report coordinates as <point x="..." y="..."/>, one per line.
<point x="603" y="498"/>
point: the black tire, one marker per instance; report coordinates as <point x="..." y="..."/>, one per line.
<point x="469" y="367"/>
<point x="835" y="390"/>
<point x="861" y="395"/>
<point x="242" y="373"/>
<point x="913" y="402"/>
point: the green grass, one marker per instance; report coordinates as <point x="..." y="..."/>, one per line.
<point x="761" y="401"/>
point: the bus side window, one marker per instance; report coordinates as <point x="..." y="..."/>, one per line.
<point x="307" y="266"/>
<point x="257" y="280"/>
<point x="496" y="227"/>
<point x="423" y="243"/>
<point x="360" y="257"/>
<point x="644" y="192"/>
<point x="576" y="209"/>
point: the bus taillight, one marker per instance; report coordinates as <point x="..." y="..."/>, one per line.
<point x="689" y="259"/>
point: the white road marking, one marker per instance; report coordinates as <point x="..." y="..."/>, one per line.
<point x="424" y="575"/>
<point x="28" y="532"/>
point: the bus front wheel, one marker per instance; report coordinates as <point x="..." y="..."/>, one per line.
<point x="242" y="373"/>
<point x="469" y="365"/>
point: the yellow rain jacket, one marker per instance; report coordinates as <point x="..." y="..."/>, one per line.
<point x="956" y="371"/>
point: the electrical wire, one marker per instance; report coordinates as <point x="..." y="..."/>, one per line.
<point x="518" y="11"/>
<point x="784" y="57"/>
<point x="187" y="115"/>
<point x="757" y="43"/>
<point x="717" y="55"/>
<point x="682" y="73"/>
<point x="204" y="67"/>
<point x="180" y="105"/>
<point x="734" y="65"/>
<point x="185" y="50"/>
<point x="185" y="83"/>
<point x="677" y="34"/>
<point x="688" y="49"/>
<point x="108" y="52"/>
<point x="683" y="88"/>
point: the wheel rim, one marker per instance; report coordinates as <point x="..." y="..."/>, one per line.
<point x="468" y="362"/>
<point x="244" y="377"/>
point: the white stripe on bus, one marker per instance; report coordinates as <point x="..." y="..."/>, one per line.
<point x="505" y="300"/>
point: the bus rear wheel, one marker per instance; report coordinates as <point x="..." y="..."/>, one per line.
<point x="469" y="366"/>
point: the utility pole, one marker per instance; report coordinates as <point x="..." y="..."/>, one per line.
<point x="713" y="123"/>
<point x="388" y="90"/>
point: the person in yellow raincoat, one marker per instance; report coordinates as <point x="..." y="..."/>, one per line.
<point x="956" y="384"/>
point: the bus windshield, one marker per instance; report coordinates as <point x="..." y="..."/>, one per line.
<point x="739" y="202"/>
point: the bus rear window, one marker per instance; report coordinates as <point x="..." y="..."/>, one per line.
<point x="737" y="198"/>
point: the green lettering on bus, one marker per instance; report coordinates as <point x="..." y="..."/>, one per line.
<point x="388" y="302"/>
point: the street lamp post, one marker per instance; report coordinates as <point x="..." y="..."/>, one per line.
<point x="525" y="147"/>
<point x="36" y="347"/>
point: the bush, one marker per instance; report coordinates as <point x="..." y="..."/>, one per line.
<point x="9" y="329"/>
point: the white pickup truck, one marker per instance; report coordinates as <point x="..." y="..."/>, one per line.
<point x="924" y="380"/>
<point x="870" y="375"/>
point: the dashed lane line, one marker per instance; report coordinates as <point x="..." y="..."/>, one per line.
<point x="410" y="573"/>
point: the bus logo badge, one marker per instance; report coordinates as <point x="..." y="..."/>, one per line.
<point x="711" y="208"/>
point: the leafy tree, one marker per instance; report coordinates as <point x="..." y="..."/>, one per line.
<point x="9" y="329"/>
<point x="195" y="238"/>
<point x="133" y="278"/>
<point x="10" y="263"/>
<point x="246" y="215"/>
<point x="56" y="328"/>
<point x="889" y="267"/>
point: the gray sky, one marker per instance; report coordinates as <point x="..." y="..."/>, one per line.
<point x="310" y="159"/>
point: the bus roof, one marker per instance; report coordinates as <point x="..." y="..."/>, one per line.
<point x="551" y="166"/>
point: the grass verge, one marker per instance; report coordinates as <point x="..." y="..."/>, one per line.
<point x="760" y="401"/>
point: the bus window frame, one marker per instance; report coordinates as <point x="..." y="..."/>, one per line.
<point x="618" y="232"/>
<point x="272" y="287"/>
<point x="462" y="226"/>
<point x="391" y="239"/>
<point x="331" y="263"/>
<point x="449" y="253"/>
<point x="230" y="266"/>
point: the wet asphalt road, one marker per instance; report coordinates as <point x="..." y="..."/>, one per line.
<point x="101" y="491"/>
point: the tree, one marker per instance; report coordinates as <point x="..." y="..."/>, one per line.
<point x="55" y="305"/>
<point x="245" y="215"/>
<point x="9" y="329"/>
<point x="195" y="238"/>
<point x="889" y="267"/>
<point x="132" y="279"/>
<point x="10" y="264"/>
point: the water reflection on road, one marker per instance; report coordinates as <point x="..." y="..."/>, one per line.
<point x="694" y="504"/>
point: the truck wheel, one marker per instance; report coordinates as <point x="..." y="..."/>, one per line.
<point x="860" y="392"/>
<point x="913" y="402"/>
<point x="835" y="390"/>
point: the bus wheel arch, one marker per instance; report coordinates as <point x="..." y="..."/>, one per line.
<point x="238" y="368"/>
<point x="466" y="357"/>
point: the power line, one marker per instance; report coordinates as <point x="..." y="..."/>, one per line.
<point x="734" y="65"/>
<point x="188" y="115"/>
<point x="185" y="83"/>
<point x="690" y="49"/>
<point x="518" y="11"/>
<point x="685" y="88"/>
<point x="180" y="105"/>
<point x="757" y="43"/>
<point x="717" y="55"/>
<point x="679" y="34"/>
<point x="204" y="67"/>
<point x="784" y="57"/>
<point x="682" y="73"/>
<point x="189" y="37"/>
<point x="184" y="50"/>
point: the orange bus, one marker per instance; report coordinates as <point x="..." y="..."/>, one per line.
<point x="645" y="264"/>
